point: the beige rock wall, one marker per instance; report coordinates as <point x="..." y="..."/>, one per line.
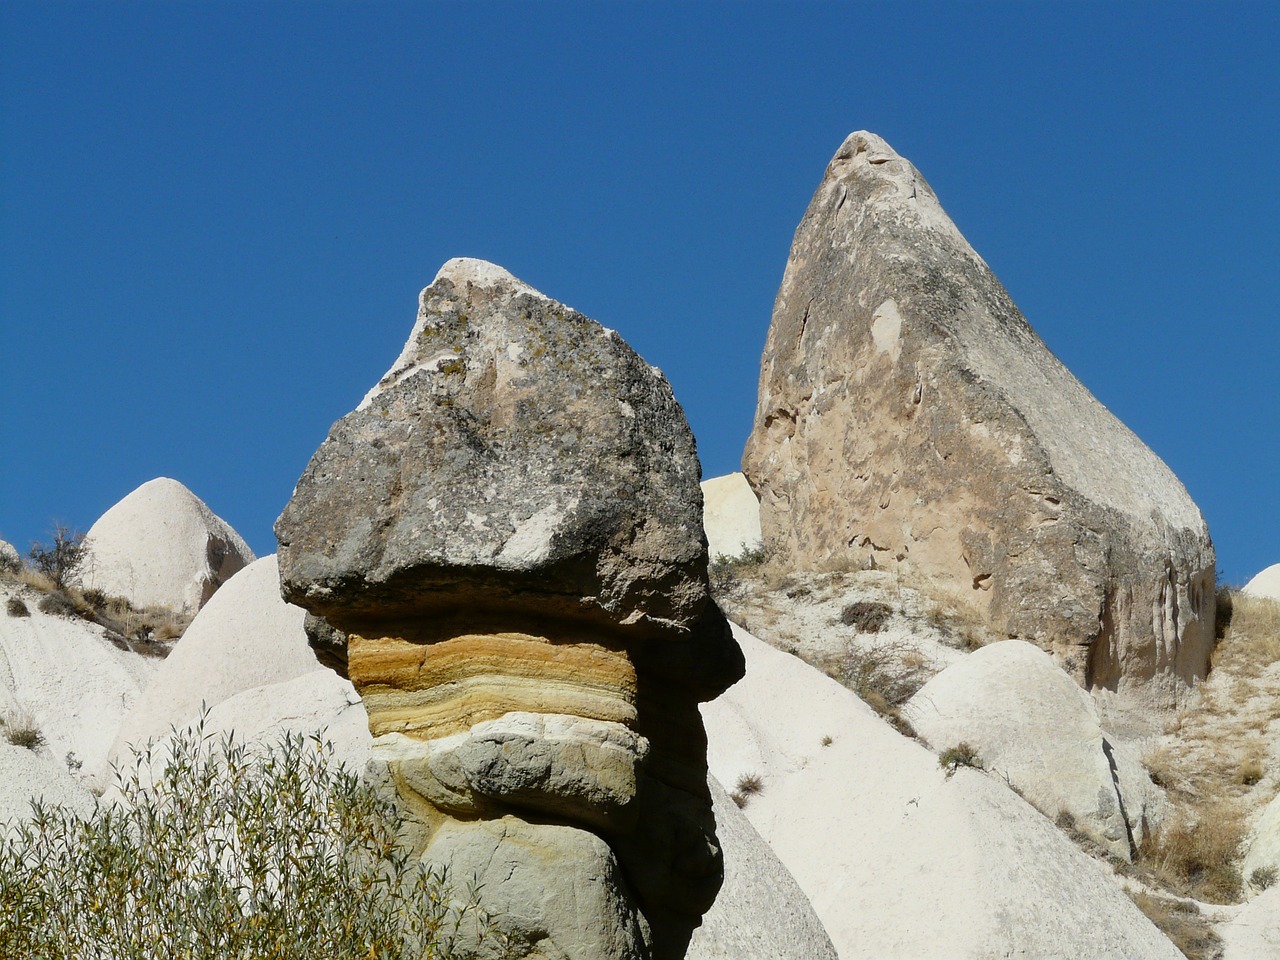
<point x="910" y="419"/>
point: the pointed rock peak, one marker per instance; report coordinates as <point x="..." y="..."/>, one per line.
<point x="482" y="273"/>
<point x="162" y="546"/>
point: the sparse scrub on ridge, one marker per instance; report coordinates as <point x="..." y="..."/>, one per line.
<point x="867" y="616"/>
<point x="16" y="607"/>
<point x="218" y="851"/>
<point x="725" y="572"/>
<point x="885" y="674"/>
<point x="61" y="558"/>
<point x="961" y="755"/>
<point x="1263" y="878"/>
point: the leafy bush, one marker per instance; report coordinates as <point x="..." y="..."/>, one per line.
<point x="227" y="854"/>
<point x="60" y="559"/>
<point x="724" y="571"/>
<point x="16" y="608"/>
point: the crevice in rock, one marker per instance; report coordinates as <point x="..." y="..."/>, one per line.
<point x="1115" y="783"/>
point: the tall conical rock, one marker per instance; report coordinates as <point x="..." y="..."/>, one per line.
<point x="909" y="418"/>
<point x="508" y="531"/>
<point x="162" y="546"/>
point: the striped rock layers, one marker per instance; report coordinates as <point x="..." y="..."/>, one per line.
<point x="909" y="418"/>
<point x="508" y="531"/>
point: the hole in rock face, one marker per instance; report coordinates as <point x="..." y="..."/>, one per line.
<point x="982" y="581"/>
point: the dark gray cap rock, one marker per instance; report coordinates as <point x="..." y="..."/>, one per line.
<point x="517" y="461"/>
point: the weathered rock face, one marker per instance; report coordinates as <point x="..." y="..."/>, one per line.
<point x="162" y="546"/>
<point x="730" y="516"/>
<point x="1031" y="724"/>
<point x="508" y="531"/>
<point x="910" y="418"/>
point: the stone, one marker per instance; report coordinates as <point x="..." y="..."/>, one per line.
<point x="246" y="636"/>
<point x="1265" y="585"/>
<point x="10" y="559"/>
<point x="1032" y="724"/>
<point x="730" y="516"/>
<point x="910" y="419"/>
<point x="761" y="910"/>
<point x="507" y="533"/>
<point x="898" y="859"/>
<point x="161" y="546"/>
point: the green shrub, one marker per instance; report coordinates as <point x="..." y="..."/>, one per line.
<point x="1263" y="878"/>
<point x="227" y="854"/>
<point x="724" y="572"/>
<point x="961" y="755"/>
<point x="60" y="559"/>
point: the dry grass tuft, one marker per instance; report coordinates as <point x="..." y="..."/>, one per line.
<point x="1182" y="923"/>
<point x="1253" y="641"/>
<point x="748" y="785"/>
<point x="1196" y="854"/>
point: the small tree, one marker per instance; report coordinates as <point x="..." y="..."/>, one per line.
<point x="62" y="558"/>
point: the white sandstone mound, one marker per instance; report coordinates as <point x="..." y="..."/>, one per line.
<point x="730" y="516"/>
<point x="760" y="911"/>
<point x="1254" y="932"/>
<point x="1266" y="584"/>
<point x="27" y="775"/>
<point x="65" y="677"/>
<point x="245" y="637"/>
<point x="162" y="547"/>
<point x="897" y="859"/>
<point x="1032" y="723"/>
<point x="8" y="555"/>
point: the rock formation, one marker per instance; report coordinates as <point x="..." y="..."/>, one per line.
<point x="508" y="531"/>
<point x="1266" y="584"/>
<point x="9" y="558"/>
<point x="909" y="418"/>
<point x="899" y="861"/>
<point x="162" y="547"/>
<point x="1030" y="723"/>
<point x="730" y="516"/>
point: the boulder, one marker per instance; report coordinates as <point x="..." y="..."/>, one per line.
<point x="730" y="516"/>
<point x="68" y="679"/>
<point x="1265" y="585"/>
<point x="507" y="531"/>
<point x="761" y="911"/>
<point x="1033" y="725"/>
<point x="246" y="636"/>
<point x="899" y="859"/>
<point x="910" y="419"/>
<point x="9" y="556"/>
<point x="162" y="547"/>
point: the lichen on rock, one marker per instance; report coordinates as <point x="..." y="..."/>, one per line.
<point x="507" y="530"/>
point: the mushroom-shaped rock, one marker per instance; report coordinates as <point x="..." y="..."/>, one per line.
<point x="898" y="859"/>
<point x="1031" y="723"/>
<point x="246" y="636"/>
<point x="909" y="418"/>
<point x="730" y="516"/>
<point x="162" y="547"/>
<point x="508" y="531"/>
<point x="1265" y="585"/>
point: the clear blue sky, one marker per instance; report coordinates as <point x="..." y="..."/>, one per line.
<point x="216" y="217"/>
